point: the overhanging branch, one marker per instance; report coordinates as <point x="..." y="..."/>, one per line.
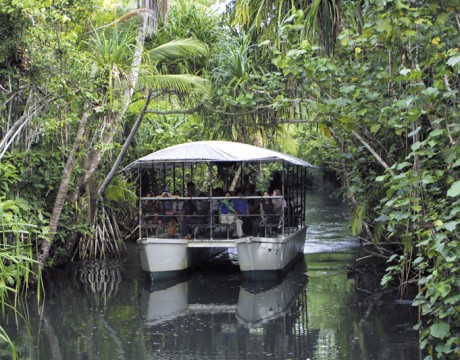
<point x="170" y="112"/>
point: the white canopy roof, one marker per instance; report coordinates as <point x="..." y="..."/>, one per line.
<point x="214" y="151"/>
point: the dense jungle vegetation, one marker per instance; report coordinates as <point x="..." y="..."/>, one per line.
<point x="368" y="90"/>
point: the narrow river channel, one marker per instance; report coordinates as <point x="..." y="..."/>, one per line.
<point x="321" y="310"/>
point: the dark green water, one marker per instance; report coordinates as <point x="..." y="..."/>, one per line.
<point x="320" y="311"/>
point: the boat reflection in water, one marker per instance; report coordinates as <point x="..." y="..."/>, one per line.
<point x="220" y="316"/>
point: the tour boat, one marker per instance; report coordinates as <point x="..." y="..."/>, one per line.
<point x="182" y="217"/>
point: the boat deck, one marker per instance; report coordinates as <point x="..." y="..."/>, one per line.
<point x="220" y="233"/>
<point x="211" y="243"/>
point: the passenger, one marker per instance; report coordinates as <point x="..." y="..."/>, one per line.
<point x="254" y="210"/>
<point x="217" y="192"/>
<point x="195" y="212"/>
<point x="166" y="205"/>
<point x="226" y="210"/>
<point x="151" y="210"/>
<point x="266" y="208"/>
<point x="241" y="207"/>
<point x="168" y="213"/>
<point x="189" y="206"/>
<point x="279" y="205"/>
<point x="228" y="215"/>
<point x="177" y="203"/>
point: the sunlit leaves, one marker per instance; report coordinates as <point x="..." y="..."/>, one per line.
<point x="111" y="52"/>
<point x="177" y="49"/>
<point x="454" y="60"/>
<point x="454" y="189"/>
<point x="181" y="83"/>
<point x="439" y="330"/>
<point x="17" y="234"/>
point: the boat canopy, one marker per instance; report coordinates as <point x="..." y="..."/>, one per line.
<point x="214" y="151"/>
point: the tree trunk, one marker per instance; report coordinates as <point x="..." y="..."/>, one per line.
<point x="116" y="118"/>
<point x="123" y="151"/>
<point x="112" y="122"/>
<point x="63" y="189"/>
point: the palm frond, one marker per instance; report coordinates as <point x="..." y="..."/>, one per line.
<point x="359" y="216"/>
<point x="121" y="190"/>
<point x="183" y="83"/>
<point x="377" y="233"/>
<point x="323" y="19"/>
<point x="311" y="18"/>
<point x="181" y="48"/>
<point x="111" y="48"/>
<point x="111" y="52"/>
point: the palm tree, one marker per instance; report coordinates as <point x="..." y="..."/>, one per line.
<point x="110" y="55"/>
<point x="264" y="17"/>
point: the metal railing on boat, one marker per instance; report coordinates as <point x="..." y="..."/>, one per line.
<point x="167" y="220"/>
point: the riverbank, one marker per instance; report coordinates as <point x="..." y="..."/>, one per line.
<point x="320" y="310"/>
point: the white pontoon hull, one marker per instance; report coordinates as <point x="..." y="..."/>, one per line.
<point x="259" y="257"/>
<point x="263" y="257"/>
<point x="168" y="258"/>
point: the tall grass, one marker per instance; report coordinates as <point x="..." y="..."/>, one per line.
<point x="18" y="232"/>
<point x="5" y="338"/>
<point x="16" y="268"/>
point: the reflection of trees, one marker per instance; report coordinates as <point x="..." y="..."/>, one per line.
<point x="218" y="335"/>
<point x="53" y="339"/>
<point x="100" y="278"/>
<point x="116" y="338"/>
<point x="86" y="314"/>
<point x="355" y="317"/>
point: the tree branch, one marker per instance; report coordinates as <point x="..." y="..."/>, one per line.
<point x="123" y="151"/>
<point x="372" y="151"/>
<point x="127" y="16"/>
<point x="169" y="112"/>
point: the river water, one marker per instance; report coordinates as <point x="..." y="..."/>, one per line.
<point x="323" y="309"/>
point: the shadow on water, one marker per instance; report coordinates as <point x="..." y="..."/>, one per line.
<point x="319" y="310"/>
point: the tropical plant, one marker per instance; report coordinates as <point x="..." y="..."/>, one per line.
<point x="265" y="18"/>
<point x="388" y="99"/>
<point x="20" y="228"/>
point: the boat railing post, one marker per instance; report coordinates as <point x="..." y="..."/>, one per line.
<point x="140" y="203"/>
<point x="211" y="215"/>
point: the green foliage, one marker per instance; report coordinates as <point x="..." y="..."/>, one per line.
<point x="6" y="339"/>
<point x="381" y="115"/>
<point x="121" y="190"/>
<point x="422" y="206"/>
<point x="111" y="52"/>
<point x="389" y="100"/>
<point x="17" y="234"/>
<point x="177" y="49"/>
<point x="37" y="175"/>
